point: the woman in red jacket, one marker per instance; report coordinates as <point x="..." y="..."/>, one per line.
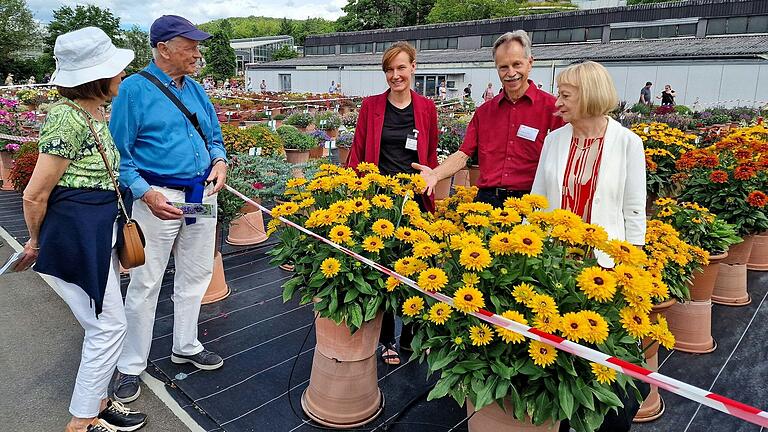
<point x="394" y="130"/>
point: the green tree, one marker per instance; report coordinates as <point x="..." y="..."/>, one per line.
<point x="18" y="31"/>
<point x="220" y="56"/>
<point x="286" y="28"/>
<point x="137" y="40"/>
<point x="312" y="26"/>
<point x="66" y="19"/>
<point x="372" y="14"/>
<point x="636" y="2"/>
<point x="284" y="52"/>
<point x="465" y="10"/>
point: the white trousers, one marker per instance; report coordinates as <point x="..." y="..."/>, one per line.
<point x="102" y="343"/>
<point x="192" y="247"/>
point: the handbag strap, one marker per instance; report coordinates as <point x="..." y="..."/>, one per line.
<point x="103" y="153"/>
<point x="180" y="105"/>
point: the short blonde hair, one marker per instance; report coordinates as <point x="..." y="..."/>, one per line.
<point x="597" y="93"/>
<point x="396" y="49"/>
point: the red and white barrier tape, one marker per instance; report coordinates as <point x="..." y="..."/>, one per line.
<point x="298" y="102"/>
<point x="17" y="138"/>
<point x="712" y="400"/>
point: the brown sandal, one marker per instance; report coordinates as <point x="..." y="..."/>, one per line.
<point x="390" y="359"/>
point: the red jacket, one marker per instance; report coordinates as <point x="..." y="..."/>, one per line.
<point x="366" y="145"/>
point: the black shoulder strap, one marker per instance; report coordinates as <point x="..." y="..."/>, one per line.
<point x="191" y="116"/>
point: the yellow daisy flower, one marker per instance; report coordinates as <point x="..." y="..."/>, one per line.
<point x="536" y="201"/>
<point x="307" y="202"/>
<point x="340" y="234"/>
<point x="475" y="220"/>
<point x="439" y="313"/>
<point x="480" y="335"/>
<point x="636" y="323"/>
<point x="285" y="209"/>
<point x="426" y="249"/>
<point x="413" y="306"/>
<point x="543" y="304"/>
<point x="406" y="234"/>
<point x="526" y="240"/>
<point x="523" y="293"/>
<point x="547" y="323"/>
<point x="597" y="283"/>
<point x="661" y="334"/>
<point x="603" y="374"/>
<point x="392" y="283"/>
<point x="468" y="299"/>
<point x="433" y="279"/>
<point x="359" y="184"/>
<point x="542" y="354"/>
<point x="383" y="228"/>
<point x="574" y="327"/>
<point x="475" y="258"/>
<point x="510" y="336"/>
<point x="505" y="217"/>
<point x="470" y="279"/>
<point x="373" y="244"/>
<point x="598" y="327"/>
<point x="595" y="235"/>
<point x="367" y="167"/>
<point x="330" y="267"/>
<point x="405" y="266"/>
<point x="625" y="252"/>
<point x="501" y="244"/>
<point x="361" y="205"/>
<point x="295" y="182"/>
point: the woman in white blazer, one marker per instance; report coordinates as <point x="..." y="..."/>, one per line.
<point x="593" y="166"/>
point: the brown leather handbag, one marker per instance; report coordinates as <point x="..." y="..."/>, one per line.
<point x="131" y="252"/>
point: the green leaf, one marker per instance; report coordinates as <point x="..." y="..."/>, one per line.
<point x="372" y="308"/>
<point x="441" y="363"/>
<point x="583" y="394"/>
<point x="501" y="389"/>
<point x="566" y="398"/>
<point x="607" y="396"/>
<point x="289" y="288"/>
<point x="334" y="302"/>
<point x="355" y="314"/>
<point x="351" y="294"/>
<point x="485" y="396"/>
<point x="443" y="386"/>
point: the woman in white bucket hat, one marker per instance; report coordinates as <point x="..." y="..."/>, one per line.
<point x="71" y="210"/>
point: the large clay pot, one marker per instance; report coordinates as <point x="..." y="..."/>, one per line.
<point x="691" y="323"/>
<point x="343" y="388"/>
<point x="739" y="253"/>
<point x="6" y="162"/>
<point x="474" y="175"/>
<point x="247" y="230"/>
<point x="731" y="285"/>
<point x="343" y="155"/>
<point x="758" y="259"/>
<point x="316" y="152"/>
<point x="461" y="178"/>
<point x="296" y="156"/>
<point x="653" y="406"/>
<point x="704" y="281"/>
<point x="333" y="133"/>
<point x="443" y="189"/>
<point x="492" y="418"/>
<point x="218" y="288"/>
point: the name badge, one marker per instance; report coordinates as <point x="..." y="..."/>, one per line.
<point x="527" y="132"/>
<point x="412" y="141"/>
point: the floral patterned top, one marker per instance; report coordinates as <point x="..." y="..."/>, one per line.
<point x="66" y="134"/>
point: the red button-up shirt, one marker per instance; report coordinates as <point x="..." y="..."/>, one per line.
<point x="507" y="156"/>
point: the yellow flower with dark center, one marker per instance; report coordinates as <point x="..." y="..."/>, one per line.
<point x="536" y="201"/>
<point x="624" y="252"/>
<point x="543" y="304"/>
<point x="307" y="202"/>
<point x="413" y="306"/>
<point x="426" y="249"/>
<point x="475" y="258"/>
<point x="470" y="279"/>
<point x="359" y="184"/>
<point x="432" y="279"/>
<point x="661" y="334"/>
<point x="392" y="283"/>
<point x="603" y="374"/>
<point x="330" y="267"/>
<point x="526" y="240"/>
<point x="470" y="239"/>
<point x="340" y="234"/>
<point x="523" y="293"/>
<point x="340" y="209"/>
<point x="505" y="217"/>
<point x="475" y="220"/>
<point x="597" y="283"/>
<point x="442" y="228"/>
<point x="501" y="244"/>
<point x="367" y="167"/>
<point x="574" y="327"/>
<point x="636" y="323"/>
<point x="548" y="323"/>
<point x="659" y="289"/>
<point x="406" y="234"/>
<point x="405" y="266"/>
<point x="570" y="235"/>
<point x="598" y="327"/>
<point x="383" y="228"/>
<point x="360" y="205"/>
<point x="639" y="298"/>
<point x="510" y="336"/>
<point x="595" y="235"/>
<point x="542" y="354"/>
<point x="411" y="209"/>
<point x="327" y="218"/>
<point x="521" y="207"/>
<point x="468" y="299"/>
<point x="439" y="313"/>
<point x="420" y="223"/>
<point x="295" y="182"/>
<point x="285" y="209"/>
<point x="373" y="244"/>
<point x="272" y="226"/>
<point x="480" y="335"/>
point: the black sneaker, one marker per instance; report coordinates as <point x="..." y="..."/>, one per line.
<point x="121" y="418"/>
<point x="205" y="360"/>
<point x="126" y="388"/>
<point x="99" y="426"/>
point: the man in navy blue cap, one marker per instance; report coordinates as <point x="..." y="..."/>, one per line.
<point x="167" y="157"/>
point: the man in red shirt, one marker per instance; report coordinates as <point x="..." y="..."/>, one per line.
<point x="507" y="132"/>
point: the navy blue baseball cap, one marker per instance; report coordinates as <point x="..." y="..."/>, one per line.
<point x="168" y="27"/>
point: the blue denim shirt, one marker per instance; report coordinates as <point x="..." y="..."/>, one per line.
<point x="153" y="135"/>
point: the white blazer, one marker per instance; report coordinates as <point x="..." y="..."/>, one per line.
<point x="619" y="202"/>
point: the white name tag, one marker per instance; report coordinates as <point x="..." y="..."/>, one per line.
<point x="410" y="143"/>
<point x="527" y="132"/>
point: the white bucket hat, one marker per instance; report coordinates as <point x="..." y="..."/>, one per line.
<point x="87" y="55"/>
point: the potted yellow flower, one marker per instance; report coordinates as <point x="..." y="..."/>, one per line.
<point x="541" y="273"/>
<point x="364" y="214"/>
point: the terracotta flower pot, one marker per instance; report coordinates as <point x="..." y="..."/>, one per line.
<point x="758" y="259"/>
<point x="247" y="230"/>
<point x="218" y="288"/>
<point x="474" y="175"/>
<point x="296" y="156"/>
<point x="653" y="406"/>
<point x="739" y="253"/>
<point x="461" y="178"/>
<point x="343" y="388"/>
<point x="691" y="323"/>
<point x="731" y="285"/>
<point x="316" y="152"/>
<point x="704" y="281"/>
<point x="343" y="155"/>
<point x="443" y="189"/>
<point x="6" y="162"/>
<point x="493" y="419"/>
<point x="333" y="133"/>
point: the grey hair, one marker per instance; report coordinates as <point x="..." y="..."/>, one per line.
<point x="521" y="36"/>
<point x="156" y="52"/>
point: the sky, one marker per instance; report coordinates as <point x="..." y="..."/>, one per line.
<point x="143" y="12"/>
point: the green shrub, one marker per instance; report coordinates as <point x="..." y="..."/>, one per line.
<point x="327" y="120"/>
<point x="300" y="120"/>
<point x="294" y="139"/>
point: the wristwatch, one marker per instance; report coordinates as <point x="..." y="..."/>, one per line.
<point x="217" y="160"/>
